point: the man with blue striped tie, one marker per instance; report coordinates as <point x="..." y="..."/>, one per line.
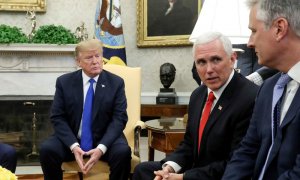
<point x="271" y="148"/>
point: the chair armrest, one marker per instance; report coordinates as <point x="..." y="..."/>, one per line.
<point x="137" y="133"/>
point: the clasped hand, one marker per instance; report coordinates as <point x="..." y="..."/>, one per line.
<point x="86" y="165"/>
<point x="167" y="173"/>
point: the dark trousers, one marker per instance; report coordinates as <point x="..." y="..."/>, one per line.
<point x="8" y="157"/>
<point x="145" y="170"/>
<point x="53" y="153"/>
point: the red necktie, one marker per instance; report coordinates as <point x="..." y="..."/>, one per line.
<point x="205" y="115"/>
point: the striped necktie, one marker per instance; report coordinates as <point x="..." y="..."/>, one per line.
<point x="86" y="131"/>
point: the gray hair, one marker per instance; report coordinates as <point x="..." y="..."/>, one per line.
<point x="269" y="10"/>
<point x="211" y="36"/>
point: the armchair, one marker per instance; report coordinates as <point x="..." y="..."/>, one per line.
<point x="132" y="79"/>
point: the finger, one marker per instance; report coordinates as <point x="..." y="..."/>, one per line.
<point x="90" y="152"/>
<point x="89" y="163"/>
<point x="80" y="163"/>
<point x="88" y="167"/>
<point x="157" y="178"/>
<point x="159" y="174"/>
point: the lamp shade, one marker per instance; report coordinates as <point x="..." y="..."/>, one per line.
<point x="230" y="17"/>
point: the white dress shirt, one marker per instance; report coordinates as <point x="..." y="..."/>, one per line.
<point x="291" y="89"/>
<point x="86" y="85"/>
<point x="256" y="78"/>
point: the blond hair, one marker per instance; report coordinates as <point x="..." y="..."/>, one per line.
<point x="88" y="45"/>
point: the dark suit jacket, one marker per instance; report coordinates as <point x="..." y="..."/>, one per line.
<point x="266" y="72"/>
<point x="225" y="128"/>
<point x="284" y="161"/>
<point x="109" y="108"/>
<point x="247" y="61"/>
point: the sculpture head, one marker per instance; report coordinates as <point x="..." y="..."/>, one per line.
<point x="167" y="74"/>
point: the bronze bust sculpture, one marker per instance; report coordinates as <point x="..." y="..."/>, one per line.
<point x="167" y="95"/>
<point x="167" y="74"/>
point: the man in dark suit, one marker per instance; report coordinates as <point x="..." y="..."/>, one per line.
<point x="108" y="118"/>
<point x="271" y="148"/>
<point x="8" y="157"/>
<point x="227" y="122"/>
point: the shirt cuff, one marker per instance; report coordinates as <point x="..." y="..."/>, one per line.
<point x="174" y="165"/>
<point x="73" y="146"/>
<point x="102" y="147"/>
<point x="256" y="78"/>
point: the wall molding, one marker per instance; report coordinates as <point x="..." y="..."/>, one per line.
<point x="37" y="47"/>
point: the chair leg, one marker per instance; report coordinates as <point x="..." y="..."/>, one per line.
<point x="80" y="175"/>
<point x="130" y="176"/>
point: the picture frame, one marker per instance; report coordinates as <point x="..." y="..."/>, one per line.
<point x="156" y="27"/>
<point x="23" y="5"/>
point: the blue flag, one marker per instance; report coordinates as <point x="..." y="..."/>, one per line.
<point x="108" y="29"/>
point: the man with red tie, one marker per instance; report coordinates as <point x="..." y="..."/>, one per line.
<point x="218" y="116"/>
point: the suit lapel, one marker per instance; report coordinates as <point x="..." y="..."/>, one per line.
<point x="295" y="105"/>
<point x="99" y="93"/>
<point x="201" y="102"/>
<point x="221" y="105"/>
<point x="77" y="88"/>
<point x="291" y="113"/>
<point x="199" y="105"/>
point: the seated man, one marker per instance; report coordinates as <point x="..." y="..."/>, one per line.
<point x="225" y="101"/>
<point x="8" y="157"/>
<point x="87" y="125"/>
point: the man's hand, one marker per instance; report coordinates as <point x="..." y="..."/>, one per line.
<point x="79" y="153"/>
<point x="174" y="176"/>
<point x="164" y="173"/>
<point x="95" y="155"/>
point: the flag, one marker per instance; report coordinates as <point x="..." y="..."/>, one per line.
<point x="108" y="29"/>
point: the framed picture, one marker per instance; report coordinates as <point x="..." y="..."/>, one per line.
<point x="23" y="5"/>
<point x="166" y="22"/>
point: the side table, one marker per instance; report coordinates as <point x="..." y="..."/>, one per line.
<point x="164" y="135"/>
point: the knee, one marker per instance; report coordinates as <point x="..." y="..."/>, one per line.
<point x="10" y="153"/>
<point x="141" y="167"/>
<point x="46" y="149"/>
<point x="124" y="153"/>
<point x="143" y="171"/>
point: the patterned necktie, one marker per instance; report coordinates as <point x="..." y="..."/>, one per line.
<point x="277" y="98"/>
<point x="205" y="116"/>
<point x="278" y="93"/>
<point x="86" y="131"/>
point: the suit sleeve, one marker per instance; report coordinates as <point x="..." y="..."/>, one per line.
<point x="59" y="117"/>
<point x="292" y="173"/>
<point x="241" y="165"/>
<point x="119" y="117"/>
<point x="183" y="155"/>
<point x="266" y="72"/>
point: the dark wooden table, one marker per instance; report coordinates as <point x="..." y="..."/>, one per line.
<point x="164" y="135"/>
<point x="163" y="110"/>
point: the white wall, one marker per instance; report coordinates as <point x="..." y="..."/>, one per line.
<point x="70" y="13"/>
